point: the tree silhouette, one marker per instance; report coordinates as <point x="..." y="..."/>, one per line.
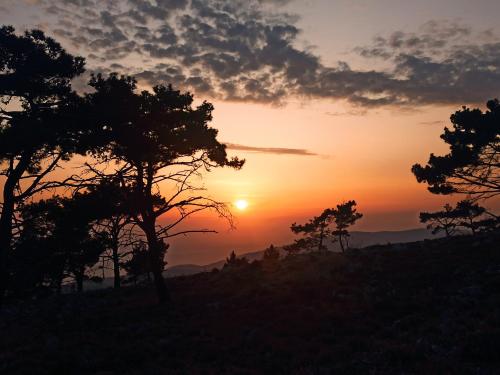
<point x="473" y="164"/>
<point x="157" y="137"/>
<point x="446" y="220"/>
<point x="489" y="224"/>
<point x="37" y="127"/>
<point x="232" y="261"/>
<point x="119" y="238"/>
<point x="314" y="233"/>
<point x="465" y="214"/>
<point x="344" y="215"/>
<point x="317" y="229"/>
<point x="62" y="230"/>
<point x="110" y="202"/>
<point x="271" y="254"/>
<point x="469" y="212"/>
<point x="35" y="261"/>
<point x="139" y="263"/>
<point x="270" y="258"/>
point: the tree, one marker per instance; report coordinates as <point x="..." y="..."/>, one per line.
<point x="115" y="229"/>
<point x="270" y="258"/>
<point x="469" y="212"/>
<point x="317" y="229"/>
<point x="60" y="229"/>
<point x="109" y="202"/>
<point x="466" y="214"/>
<point x="157" y="137"/>
<point x="140" y="262"/>
<point x="314" y="233"/>
<point x="344" y="215"/>
<point x="37" y="121"/>
<point x="473" y="164"/>
<point x="232" y="261"/>
<point x="489" y="224"/>
<point x="446" y="220"/>
<point x="35" y="263"/>
<point x="271" y="254"/>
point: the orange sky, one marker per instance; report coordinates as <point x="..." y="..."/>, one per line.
<point x="366" y="158"/>
<point x="357" y="154"/>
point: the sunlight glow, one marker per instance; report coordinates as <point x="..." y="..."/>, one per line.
<point x="241" y="204"/>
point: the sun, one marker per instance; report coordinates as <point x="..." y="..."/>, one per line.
<point x="241" y="204"/>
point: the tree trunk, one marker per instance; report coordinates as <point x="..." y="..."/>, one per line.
<point x="115" y="247"/>
<point x="79" y="282"/>
<point x="473" y="230"/>
<point x="116" y="267"/>
<point x="320" y="245"/>
<point x="149" y="228"/>
<point x="161" y="288"/>
<point x="156" y="264"/>
<point x="341" y="244"/>
<point x="6" y="218"/>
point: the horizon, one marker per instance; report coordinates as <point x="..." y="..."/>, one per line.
<point x="216" y="254"/>
<point x="350" y="130"/>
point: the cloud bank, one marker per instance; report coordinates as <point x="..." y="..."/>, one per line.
<point x="247" y="51"/>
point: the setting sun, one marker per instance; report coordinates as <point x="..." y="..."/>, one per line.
<point x="241" y="204"/>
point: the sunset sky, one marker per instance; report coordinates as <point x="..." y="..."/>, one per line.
<point x="326" y="100"/>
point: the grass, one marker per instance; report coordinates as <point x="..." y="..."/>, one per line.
<point x="426" y="307"/>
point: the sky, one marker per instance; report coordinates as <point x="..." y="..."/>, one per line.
<point x="326" y="100"/>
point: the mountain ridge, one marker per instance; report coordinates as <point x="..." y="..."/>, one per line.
<point x="358" y="239"/>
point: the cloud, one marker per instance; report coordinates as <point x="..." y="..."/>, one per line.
<point x="246" y="50"/>
<point x="437" y="122"/>
<point x="275" y="2"/>
<point x="271" y="150"/>
<point x="353" y="112"/>
<point x="444" y="63"/>
<point x="432" y="37"/>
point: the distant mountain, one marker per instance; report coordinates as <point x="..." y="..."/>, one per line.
<point x="357" y="240"/>
<point x="191" y="269"/>
<point x="363" y="239"/>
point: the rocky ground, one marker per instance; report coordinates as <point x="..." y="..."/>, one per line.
<point x="427" y="307"/>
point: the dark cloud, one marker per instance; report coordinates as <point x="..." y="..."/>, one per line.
<point x="175" y="75"/>
<point x="271" y="150"/>
<point x="243" y="50"/>
<point x="442" y="64"/>
<point x="432" y="38"/>
<point x="275" y="2"/>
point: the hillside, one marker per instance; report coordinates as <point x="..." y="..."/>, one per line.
<point x="358" y="239"/>
<point x="425" y="307"/>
